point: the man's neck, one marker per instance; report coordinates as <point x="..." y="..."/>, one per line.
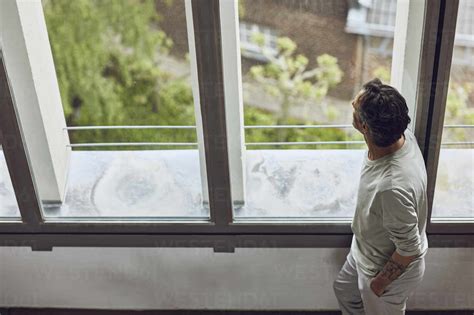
<point x="376" y="152"/>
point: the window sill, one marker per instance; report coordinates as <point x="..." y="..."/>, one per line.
<point x="280" y="185"/>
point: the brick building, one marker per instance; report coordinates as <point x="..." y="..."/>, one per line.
<point x="359" y="33"/>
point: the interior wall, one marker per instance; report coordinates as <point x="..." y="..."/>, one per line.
<point x="196" y="278"/>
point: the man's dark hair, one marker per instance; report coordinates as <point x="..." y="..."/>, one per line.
<point x="385" y="112"/>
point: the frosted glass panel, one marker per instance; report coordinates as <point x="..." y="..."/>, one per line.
<point x="8" y="203"/>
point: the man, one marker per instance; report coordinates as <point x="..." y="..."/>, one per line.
<point x="386" y="260"/>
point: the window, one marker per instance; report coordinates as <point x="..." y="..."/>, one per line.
<point x="126" y="86"/>
<point x="454" y="197"/>
<point x="160" y="131"/>
<point x="301" y="152"/>
<point x="249" y="34"/>
<point x="18" y="203"/>
<point x="464" y="48"/>
<point x="8" y="205"/>
<point x="373" y="22"/>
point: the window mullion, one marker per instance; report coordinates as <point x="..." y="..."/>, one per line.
<point x="29" y="62"/>
<point x="436" y="56"/>
<point x="406" y="50"/>
<point x="16" y="155"/>
<point x="197" y="103"/>
<point x="234" y="108"/>
<point x="207" y="36"/>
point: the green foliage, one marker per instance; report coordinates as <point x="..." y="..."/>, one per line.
<point x="383" y="73"/>
<point x="241" y="9"/>
<point x="286" y="78"/>
<point x="286" y="47"/>
<point x="254" y="116"/>
<point x="457" y="110"/>
<point x="105" y="53"/>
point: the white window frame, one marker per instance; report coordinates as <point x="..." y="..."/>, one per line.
<point x="226" y="235"/>
<point x="49" y="150"/>
<point x="405" y="71"/>
<point x="234" y="108"/>
<point x="406" y="54"/>
<point x="29" y="64"/>
<point x="197" y="102"/>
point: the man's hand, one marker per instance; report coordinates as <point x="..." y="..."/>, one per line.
<point x="377" y="286"/>
<point x="394" y="267"/>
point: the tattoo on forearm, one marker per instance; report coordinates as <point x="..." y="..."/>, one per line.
<point x="392" y="270"/>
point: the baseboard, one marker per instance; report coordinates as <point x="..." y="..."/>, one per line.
<point x="59" y="311"/>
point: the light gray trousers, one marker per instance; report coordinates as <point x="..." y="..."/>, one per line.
<point x="352" y="289"/>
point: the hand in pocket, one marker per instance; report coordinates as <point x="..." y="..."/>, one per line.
<point x="376" y="286"/>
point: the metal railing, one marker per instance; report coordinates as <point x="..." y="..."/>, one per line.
<point x="127" y="127"/>
<point x="470" y="143"/>
<point x="128" y="144"/>
<point x="145" y="144"/>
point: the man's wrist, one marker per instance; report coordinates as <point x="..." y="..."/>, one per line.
<point x="393" y="268"/>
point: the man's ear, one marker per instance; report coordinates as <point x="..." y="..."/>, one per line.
<point x="365" y="127"/>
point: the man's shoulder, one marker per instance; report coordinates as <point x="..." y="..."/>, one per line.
<point x="400" y="184"/>
<point x="398" y="197"/>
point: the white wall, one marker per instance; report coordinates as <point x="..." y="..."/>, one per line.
<point x="191" y="278"/>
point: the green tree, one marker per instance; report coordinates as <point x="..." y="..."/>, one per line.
<point x="287" y="78"/>
<point x="105" y="53"/>
<point x="383" y="73"/>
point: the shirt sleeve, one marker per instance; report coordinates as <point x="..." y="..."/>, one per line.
<point x="400" y="219"/>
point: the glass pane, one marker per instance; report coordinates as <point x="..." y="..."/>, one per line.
<point x="304" y="63"/>
<point x="8" y="204"/>
<point x="454" y="192"/>
<point x="125" y="80"/>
